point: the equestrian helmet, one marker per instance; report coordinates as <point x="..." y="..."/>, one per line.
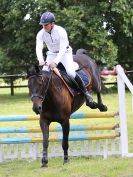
<point x="47" y="18"/>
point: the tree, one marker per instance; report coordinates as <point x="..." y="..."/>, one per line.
<point x="120" y="25"/>
<point x="87" y="31"/>
<point x="99" y="26"/>
<point x="17" y="33"/>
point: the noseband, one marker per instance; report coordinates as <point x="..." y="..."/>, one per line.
<point x="47" y="86"/>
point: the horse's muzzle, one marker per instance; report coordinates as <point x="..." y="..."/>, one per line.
<point x="37" y="108"/>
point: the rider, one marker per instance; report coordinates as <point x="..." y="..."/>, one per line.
<point x="56" y="40"/>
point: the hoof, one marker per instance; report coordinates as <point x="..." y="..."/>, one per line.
<point x="44" y="166"/>
<point x="92" y="105"/>
<point x="102" y="108"/>
<point x="44" y="162"/>
<point x="66" y="161"/>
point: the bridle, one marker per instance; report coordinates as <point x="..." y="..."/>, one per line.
<point x="47" y="85"/>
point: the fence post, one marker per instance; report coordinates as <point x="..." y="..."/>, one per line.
<point x="12" y="86"/>
<point x="122" y="112"/>
<point x="132" y="102"/>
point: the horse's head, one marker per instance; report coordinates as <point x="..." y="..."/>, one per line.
<point x="36" y="86"/>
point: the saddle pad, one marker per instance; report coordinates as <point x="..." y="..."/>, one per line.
<point x="71" y="83"/>
<point x="83" y="76"/>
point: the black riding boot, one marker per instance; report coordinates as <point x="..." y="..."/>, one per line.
<point x="89" y="100"/>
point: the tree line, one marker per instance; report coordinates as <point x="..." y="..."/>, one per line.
<point x="103" y="28"/>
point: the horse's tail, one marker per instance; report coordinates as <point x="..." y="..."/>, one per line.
<point x="82" y="51"/>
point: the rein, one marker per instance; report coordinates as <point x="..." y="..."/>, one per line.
<point x="47" y="85"/>
<point x="36" y="95"/>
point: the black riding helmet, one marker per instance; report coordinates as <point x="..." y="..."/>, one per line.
<point x="46" y="18"/>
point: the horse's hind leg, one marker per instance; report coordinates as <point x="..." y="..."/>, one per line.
<point x="65" y="128"/>
<point x="101" y="106"/>
<point x="45" y="131"/>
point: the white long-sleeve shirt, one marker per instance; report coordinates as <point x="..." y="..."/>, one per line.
<point x="56" y="42"/>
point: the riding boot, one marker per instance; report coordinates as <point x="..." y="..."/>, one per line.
<point x="89" y="100"/>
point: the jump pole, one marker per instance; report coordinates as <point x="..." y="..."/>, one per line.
<point x="77" y="115"/>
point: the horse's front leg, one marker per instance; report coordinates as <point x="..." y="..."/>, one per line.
<point x="65" y="144"/>
<point x="45" y="131"/>
<point x="101" y="106"/>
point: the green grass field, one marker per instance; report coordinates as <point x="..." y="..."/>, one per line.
<point x="77" y="167"/>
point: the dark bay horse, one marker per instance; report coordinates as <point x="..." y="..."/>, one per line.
<point x="53" y="101"/>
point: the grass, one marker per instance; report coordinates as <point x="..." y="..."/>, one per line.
<point x="78" y="167"/>
<point x="20" y="103"/>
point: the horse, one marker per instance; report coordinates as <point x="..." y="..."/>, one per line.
<point x="54" y="102"/>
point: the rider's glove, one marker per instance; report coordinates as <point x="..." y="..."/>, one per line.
<point x="41" y="62"/>
<point x="52" y="65"/>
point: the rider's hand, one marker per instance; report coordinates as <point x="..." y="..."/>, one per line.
<point x="52" y="65"/>
<point x="41" y="62"/>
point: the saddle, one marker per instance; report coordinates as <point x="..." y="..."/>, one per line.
<point x="70" y="81"/>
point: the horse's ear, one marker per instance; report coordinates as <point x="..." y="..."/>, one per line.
<point x="37" y="67"/>
<point x="33" y="70"/>
<point x="29" y="71"/>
